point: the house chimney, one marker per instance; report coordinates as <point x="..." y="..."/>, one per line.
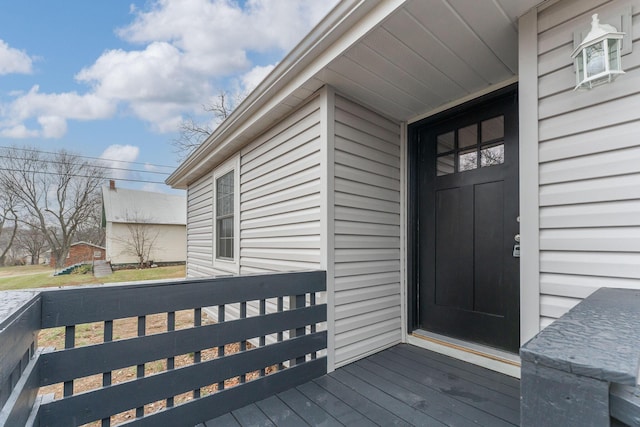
<point x="112" y="184"/>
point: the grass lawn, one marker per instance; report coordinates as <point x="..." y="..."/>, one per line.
<point x="26" y="277"/>
<point x="24" y="269"/>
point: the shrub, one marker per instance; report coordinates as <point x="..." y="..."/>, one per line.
<point x="83" y="269"/>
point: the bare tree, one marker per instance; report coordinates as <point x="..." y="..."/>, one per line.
<point x="32" y="241"/>
<point x="91" y="230"/>
<point x="58" y="192"/>
<point x="141" y="238"/>
<point x="192" y="133"/>
<point x="8" y="216"/>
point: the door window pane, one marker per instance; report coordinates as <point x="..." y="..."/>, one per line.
<point x="467" y="160"/>
<point x="492" y="155"/>
<point x="468" y="136"/>
<point x="446" y="142"/>
<point x="493" y="129"/>
<point x="445" y="164"/>
<point x="467" y="148"/>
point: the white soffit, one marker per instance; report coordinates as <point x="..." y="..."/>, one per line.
<point x="429" y="53"/>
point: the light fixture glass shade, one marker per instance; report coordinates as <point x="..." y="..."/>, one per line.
<point x="597" y="58"/>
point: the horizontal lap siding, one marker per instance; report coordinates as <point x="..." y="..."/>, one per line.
<point x="589" y="166"/>
<point x="200" y="228"/>
<point x="367" y="232"/>
<point x="280" y="196"/>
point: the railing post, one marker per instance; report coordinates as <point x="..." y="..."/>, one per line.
<point x="20" y="321"/>
<point x="567" y="369"/>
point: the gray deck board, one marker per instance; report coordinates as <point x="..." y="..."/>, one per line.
<point x="342" y="412"/>
<point x="403" y="385"/>
<point x="446" y="408"/>
<point x="306" y="409"/>
<point x="225" y="420"/>
<point x="251" y="415"/>
<point x="491" y="379"/>
<point x="279" y="413"/>
<point x="359" y="402"/>
<point x="499" y="404"/>
<point x="382" y="398"/>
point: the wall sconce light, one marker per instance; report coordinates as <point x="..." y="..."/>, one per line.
<point x="598" y="58"/>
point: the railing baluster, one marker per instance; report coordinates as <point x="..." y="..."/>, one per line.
<point x="106" y="376"/>
<point x="300" y="301"/>
<point x="142" y="326"/>
<point x="221" y="312"/>
<point x="280" y="334"/>
<point x="312" y="302"/>
<point x="69" y="342"/>
<point x="197" y="321"/>
<point x="243" y="344"/>
<point x="171" y="326"/>
<point x="263" y="311"/>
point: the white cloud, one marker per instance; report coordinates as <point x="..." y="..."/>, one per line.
<point x="69" y="105"/>
<point x="119" y="157"/>
<point x="251" y="79"/>
<point x="51" y="110"/>
<point x="19" y="131"/>
<point x="53" y="126"/>
<point x="14" y="61"/>
<point x="186" y="49"/>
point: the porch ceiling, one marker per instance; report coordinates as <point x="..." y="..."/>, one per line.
<point x="429" y="53"/>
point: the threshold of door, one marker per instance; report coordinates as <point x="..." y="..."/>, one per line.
<point x="487" y="357"/>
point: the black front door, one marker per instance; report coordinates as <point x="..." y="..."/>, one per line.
<point x="466" y="215"/>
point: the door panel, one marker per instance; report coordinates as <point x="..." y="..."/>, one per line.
<point x="454" y="280"/>
<point x="488" y="241"/>
<point x="466" y="219"/>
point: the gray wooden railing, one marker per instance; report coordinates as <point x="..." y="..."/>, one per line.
<point x="582" y="370"/>
<point x="293" y="353"/>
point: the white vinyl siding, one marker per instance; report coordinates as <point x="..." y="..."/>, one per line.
<point x="279" y="206"/>
<point x="200" y="228"/>
<point x="367" y="232"/>
<point x="589" y="168"/>
<point x="280" y="196"/>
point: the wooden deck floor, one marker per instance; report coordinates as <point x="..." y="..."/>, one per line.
<point x="404" y="385"/>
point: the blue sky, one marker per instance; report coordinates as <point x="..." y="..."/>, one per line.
<point x="113" y="79"/>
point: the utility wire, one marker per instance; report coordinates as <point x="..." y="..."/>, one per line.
<point x="83" y="176"/>
<point x="87" y="157"/>
<point x="96" y="165"/>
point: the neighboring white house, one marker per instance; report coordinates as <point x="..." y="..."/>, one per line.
<point x="434" y="158"/>
<point x="137" y="220"/>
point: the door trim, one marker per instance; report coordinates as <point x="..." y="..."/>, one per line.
<point x="530" y="314"/>
<point x="411" y="150"/>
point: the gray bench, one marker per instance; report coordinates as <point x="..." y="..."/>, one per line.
<point x="583" y="369"/>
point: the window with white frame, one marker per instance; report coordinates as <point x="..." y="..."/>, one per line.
<point x="226" y="216"/>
